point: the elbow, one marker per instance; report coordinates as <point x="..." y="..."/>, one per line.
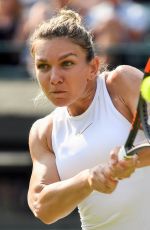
<point x="41" y="213"/>
<point x="44" y="218"/>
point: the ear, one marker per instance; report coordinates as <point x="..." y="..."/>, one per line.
<point x="94" y="68"/>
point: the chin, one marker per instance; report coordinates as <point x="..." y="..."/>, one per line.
<point x="60" y="102"/>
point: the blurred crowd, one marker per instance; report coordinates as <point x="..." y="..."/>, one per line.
<point x="112" y="22"/>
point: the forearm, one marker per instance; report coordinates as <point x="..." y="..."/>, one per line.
<point x="58" y="199"/>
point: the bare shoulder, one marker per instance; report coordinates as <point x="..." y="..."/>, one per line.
<point x="42" y="125"/>
<point x="123" y="78"/>
<point x="123" y="84"/>
<point x="125" y="73"/>
<point x="40" y="134"/>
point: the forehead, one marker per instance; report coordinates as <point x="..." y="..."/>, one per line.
<point x="56" y="48"/>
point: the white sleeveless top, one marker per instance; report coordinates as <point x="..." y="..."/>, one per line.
<point x="84" y="141"/>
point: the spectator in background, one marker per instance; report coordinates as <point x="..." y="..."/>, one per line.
<point x="82" y="7"/>
<point x="43" y="10"/>
<point x="40" y="11"/>
<point x="11" y="31"/>
<point x="117" y="21"/>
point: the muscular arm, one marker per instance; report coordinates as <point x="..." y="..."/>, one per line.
<point x="49" y="198"/>
<point x="124" y="87"/>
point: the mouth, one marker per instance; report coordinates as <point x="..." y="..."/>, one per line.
<point x="58" y="93"/>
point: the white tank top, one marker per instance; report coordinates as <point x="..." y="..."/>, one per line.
<point x="84" y="141"/>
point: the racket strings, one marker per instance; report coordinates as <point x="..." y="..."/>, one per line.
<point x="147" y="116"/>
<point x="148" y="112"/>
<point x="146" y="119"/>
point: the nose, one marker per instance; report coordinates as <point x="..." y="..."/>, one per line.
<point x="55" y="76"/>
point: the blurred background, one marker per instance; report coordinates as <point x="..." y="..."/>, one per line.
<point x="121" y="32"/>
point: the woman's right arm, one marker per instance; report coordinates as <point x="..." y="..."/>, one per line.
<point x="49" y="198"/>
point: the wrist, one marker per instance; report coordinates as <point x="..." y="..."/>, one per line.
<point x="87" y="177"/>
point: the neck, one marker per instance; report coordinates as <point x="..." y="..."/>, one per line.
<point x="83" y="103"/>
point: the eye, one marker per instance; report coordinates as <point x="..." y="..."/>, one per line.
<point x="67" y="63"/>
<point x="43" y="66"/>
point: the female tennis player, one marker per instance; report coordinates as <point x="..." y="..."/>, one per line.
<point x="74" y="149"/>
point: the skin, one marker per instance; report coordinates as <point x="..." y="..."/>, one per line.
<point x="67" y="79"/>
<point x="59" y="74"/>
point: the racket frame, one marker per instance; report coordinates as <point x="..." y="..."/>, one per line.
<point x="140" y="118"/>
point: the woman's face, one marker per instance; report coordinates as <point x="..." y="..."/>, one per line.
<point x="62" y="70"/>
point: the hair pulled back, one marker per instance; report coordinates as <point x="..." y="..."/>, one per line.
<point x="67" y="23"/>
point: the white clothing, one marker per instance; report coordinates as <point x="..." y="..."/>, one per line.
<point x="84" y="141"/>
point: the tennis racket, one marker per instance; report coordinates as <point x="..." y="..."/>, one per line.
<point x="139" y="136"/>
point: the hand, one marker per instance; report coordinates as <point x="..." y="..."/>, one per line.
<point x="121" y="169"/>
<point x="100" y="181"/>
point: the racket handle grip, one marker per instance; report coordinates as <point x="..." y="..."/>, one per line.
<point x="122" y="153"/>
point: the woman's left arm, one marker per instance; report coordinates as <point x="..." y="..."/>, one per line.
<point x="124" y="86"/>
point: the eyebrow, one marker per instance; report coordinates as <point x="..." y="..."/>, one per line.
<point x="67" y="55"/>
<point x="62" y="57"/>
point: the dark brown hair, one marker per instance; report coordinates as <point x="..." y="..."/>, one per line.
<point x="67" y="23"/>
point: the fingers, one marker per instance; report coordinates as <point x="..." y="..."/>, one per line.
<point x="104" y="178"/>
<point x="114" y="156"/>
<point x="109" y="182"/>
<point x="121" y="168"/>
<point x="100" y="181"/>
